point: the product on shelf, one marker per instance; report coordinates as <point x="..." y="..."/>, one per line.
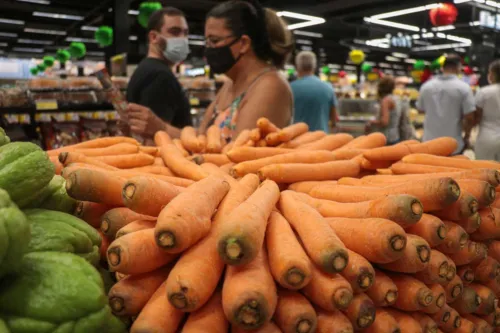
<point x="81" y="83"/>
<point x="80" y="97"/>
<point x="14" y="97"/>
<point x="42" y="84"/>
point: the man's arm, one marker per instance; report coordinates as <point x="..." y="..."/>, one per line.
<point x="333" y="111"/>
<point x="469" y="114"/>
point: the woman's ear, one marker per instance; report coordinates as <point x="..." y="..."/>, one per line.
<point x="246" y="44"/>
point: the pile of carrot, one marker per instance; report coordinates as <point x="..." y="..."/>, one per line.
<point x="286" y="230"/>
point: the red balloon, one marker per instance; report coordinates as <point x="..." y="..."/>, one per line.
<point x="342" y="74"/>
<point x="468" y="70"/>
<point x="443" y="15"/>
<point x="426" y="75"/>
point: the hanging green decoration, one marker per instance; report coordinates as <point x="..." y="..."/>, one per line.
<point x="104" y="35"/>
<point x="467" y="60"/>
<point x="435" y="65"/>
<point x="291" y="72"/>
<point x="63" y="55"/>
<point x="419" y="65"/>
<point x="325" y="70"/>
<point x="49" y="61"/>
<point x="34" y="71"/>
<point x="146" y="9"/>
<point x="77" y="50"/>
<point x="366" y="68"/>
<point x="41" y="68"/>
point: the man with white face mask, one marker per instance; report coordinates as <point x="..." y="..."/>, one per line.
<point x="153" y="84"/>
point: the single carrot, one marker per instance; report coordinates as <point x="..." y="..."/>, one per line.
<point x="466" y="327"/>
<point x="373" y="165"/>
<point x="187" y="218"/>
<point x="471" y="224"/>
<point x="471" y="252"/>
<point x="361" y="312"/>
<point x="430" y="228"/>
<point x="436" y="271"/>
<point x="272" y="139"/>
<point x="242" y="154"/>
<point x="463" y="208"/>
<point x="202" y="143"/>
<point x="384" y="323"/>
<point x="209" y="319"/>
<point x="249" y="295"/>
<point x="306" y="157"/>
<point x="288" y="261"/>
<point x="405" y="210"/>
<point x="359" y="272"/>
<point x="117" y="218"/>
<point x="456" y="238"/>
<point x="96" y="143"/>
<point x="135" y="226"/>
<point x="242" y="138"/>
<point x="120" y="276"/>
<point x="185" y="289"/>
<point x="268" y="327"/>
<point x="263" y="143"/>
<point x="153" y="151"/>
<point x="178" y="145"/>
<point x="158" y="315"/>
<point x="329" y="142"/>
<point x="442" y="146"/>
<point x="129" y="296"/>
<point x="493" y="319"/>
<point x="454" y="289"/>
<point x="239" y="242"/>
<point x="91" y="212"/>
<point x="384" y="291"/>
<point x="439" y="299"/>
<point x="154" y="169"/>
<point x="452" y="270"/>
<point x="118" y="149"/>
<point x="386" y="172"/>
<point x="466" y="274"/>
<point x="127" y="161"/>
<point x="137" y="253"/>
<point x="443" y="316"/>
<point x="103" y="249"/>
<point x="468" y="302"/>
<point x="427" y="323"/>
<point x="162" y="138"/>
<point x="266" y="126"/>
<point x="371" y="141"/>
<point x="416" y="257"/>
<point x="67" y="158"/>
<point x="413" y="295"/>
<point x="255" y="134"/>
<point x="426" y="159"/>
<point x="214" y="170"/>
<point x="95" y="186"/>
<point x="217" y="159"/>
<point x="434" y="194"/>
<point x="306" y="187"/>
<point x="159" y="162"/>
<point x="57" y="165"/>
<point x="454" y="323"/>
<point x="180" y="165"/>
<point x="226" y="168"/>
<point x="319" y="240"/>
<point x="304" y="139"/>
<point x="190" y="140"/>
<point x="489" y="300"/>
<point x="490" y="225"/>
<point x="401" y="168"/>
<point x="496" y="203"/>
<point x="387" y="239"/>
<point x="486" y="270"/>
<point x="294" y="313"/>
<point x="328" y="291"/>
<point x="483" y="191"/>
<point x="333" y="322"/>
<point x="347" y="153"/>
<point x="292" y="131"/>
<point x="214" y="145"/>
<point x="494" y="250"/>
<point x="482" y="325"/>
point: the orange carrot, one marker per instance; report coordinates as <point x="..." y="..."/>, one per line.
<point x="463" y="208"/>
<point x="243" y="231"/>
<point x="413" y="295"/>
<point x="272" y="139"/>
<point x="130" y="295"/>
<point x="490" y="225"/>
<point x="442" y="146"/>
<point x="226" y="168"/>
<point x="483" y="191"/>
<point x="466" y="327"/>
<point x="416" y="257"/>
<point x="263" y="143"/>
<point x="268" y="327"/>
<point x="456" y="238"/>
<point x="454" y="289"/>
<point x="298" y="172"/>
<point x="178" y="144"/>
<point x="454" y="323"/>
<point x="159" y="162"/>
<point x="434" y="194"/>
<point x="153" y="151"/>
<point x="180" y="165"/>
<point x="249" y="295"/>
<point x="486" y="270"/>
<point x="333" y="322"/>
<point x="347" y="153"/>
<point x="217" y="159"/>
<point x="374" y="165"/>
<point x="137" y="253"/>
<point x="402" y="209"/>
<point x="449" y="162"/>
<point x="401" y="168"/>
<point x="385" y="172"/>
<point x="135" y="226"/>
<point x="430" y="228"/>
<point x="387" y="239"/>
<point x="127" y="161"/>
<point x="384" y="291"/>
<point x="154" y="169"/>
<point x="67" y="158"/>
<point x="209" y="319"/>
<point x="306" y="157"/>
<point x="471" y="224"/>
<point x="494" y="250"/>
<point x="116" y="218"/>
<point x="436" y="271"/>
<point x="242" y="154"/>
<point x="493" y="319"/>
<point x="329" y="142"/>
<point x="373" y="140"/>
<point x="443" y="316"/>
<point x="427" y="323"/>
<point x="103" y="249"/>
<point x="190" y="140"/>
<point x="214" y="145"/>
<point x="162" y="138"/>
<point x="95" y="186"/>
<point x="130" y="173"/>
<point x="294" y="313"/>
<point x="361" y="312"/>
<point x="184" y="289"/>
<point x="452" y="270"/>
<point x="320" y="241"/>
<point x="468" y="302"/>
<point x="384" y="323"/>
<point x="304" y="139"/>
<point x="328" y="291"/>
<point x="214" y="170"/>
<point x="496" y="203"/>
<point x="187" y="218"/>
<point x="91" y="212"/>
<point x="439" y="299"/>
<point x="58" y="165"/>
<point x="288" y="261"/>
<point x="306" y="187"/>
<point x="489" y="300"/>
<point x="242" y="138"/>
<point x="158" y="315"/>
<point x="202" y="143"/>
<point x="359" y="272"/>
<point x="96" y="143"/>
<point x="471" y="252"/>
<point x="481" y="324"/>
<point x="466" y="274"/>
<point x="118" y="149"/>
<point x="266" y="126"/>
<point x="292" y="131"/>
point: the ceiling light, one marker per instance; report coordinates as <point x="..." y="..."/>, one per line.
<point x="421" y="42"/>
<point x="303" y="41"/>
<point x="199" y="37"/>
<point x="428" y="35"/>
<point x="394" y="59"/>
<point x="3" y="44"/>
<point x="461" y="50"/>
<point x="132" y="38"/>
<point x="310" y="20"/>
<point x="398" y="67"/>
<point x="415" y="36"/>
<point x="27" y="49"/>
<point x="45" y="32"/>
<point x="444" y="28"/>
<point x="8" y="34"/>
<point x="370" y="63"/>
<point x="493" y="4"/>
<point x="399" y="55"/>
<point x="438" y="47"/>
<point x="384" y="65"/>
<point x="334" y="66"/>
<point x="197" y="42"/>
<point x="440" y="35"/>
<point x="308" y="34"/>
<point x="475" y="23"/>
<point x="392" y="24"/>
<point x="133" y="12"/>
<point x="9" y="21"/>
<point x="406" y="11"/>
<point x="401" y="73"/>
<point x="39" y="2"/>
<point x="462" y="1"/>
<point x="59" y="16"/>
<point x="410" y="61"/>
<point x="350" y="67"/>
<point x="89" y="28"/>
<point x="34" y="41"/>
<point x="78" y="39"/>
<point x="459" y="39"/>
<point x="306" y="48"/>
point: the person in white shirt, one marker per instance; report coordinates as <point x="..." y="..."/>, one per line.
<point x="488" y="116"/>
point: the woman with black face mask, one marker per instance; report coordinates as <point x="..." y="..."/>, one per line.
<point x="248" y="44"/>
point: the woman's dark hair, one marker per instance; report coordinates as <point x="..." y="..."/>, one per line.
<point x="386" y="86"/>
<point x="271" y="40"/>
<point x="495" y="71"/>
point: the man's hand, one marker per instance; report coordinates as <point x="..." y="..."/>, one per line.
<point x="143" y="121"/>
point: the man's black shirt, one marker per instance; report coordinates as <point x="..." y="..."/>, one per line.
<point x="155" y="86"/>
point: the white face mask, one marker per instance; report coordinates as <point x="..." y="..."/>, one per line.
<point x="177" y="49"/>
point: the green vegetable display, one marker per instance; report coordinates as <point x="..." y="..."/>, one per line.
<point x="4" y="139"/>
<point x="14" y="235"/>
<point x="52" y="197"/>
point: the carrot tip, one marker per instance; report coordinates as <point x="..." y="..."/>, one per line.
<point x="294" y="277"/>
<point x="365" y="280"/>
<point x="339" y="262"/>
<point x="497" y="272"/>
<point x="443" y="270"/>
<point x="366" y="320"/>
<point x="417" y="208"/>
<point x="342" y="298"/>
<point x="455" y="190"/>
<point x="474" y="206"/>
<point x="456" y="291"/>
<point x="249" y="315"/>
<point x="440" y="301"/>
<point x="129" y="191"/>
<point x="424" y="253"/>
<point x="478" y="300"/>
<point x="63" y="157"/>
<point x="114" y="256"/>
<point x="398" y="243"/>
<point x="442" y="232"/>
<point x="166" y="239"/>
<point x="446" y="317"/>
<point x="79" y="209"/>
<point x="458" y="322"/>
<point x="105" y="225"/>
<point x="116" y="304"/>
<point x="178" y="300"/>
<point x="469" y="276"/>
<point x="304" y="326"/>
<point x="232" y="249"/>
<point x="391" y="297"/>
<point x="427" y="300"/>
<point x="491" y="193"/>
<point x="70" y="182"/>
<point x="451" y="273"/>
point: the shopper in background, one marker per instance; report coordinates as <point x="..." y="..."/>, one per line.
<point x="314" y="100"/>
<point x="153" y="85"/>
<point x="448" y="104"/>
<point x="488" y="116"/>
<point x="389" y="117"/>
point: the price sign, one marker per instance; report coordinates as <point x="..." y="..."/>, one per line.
<point x="47" y="104"/>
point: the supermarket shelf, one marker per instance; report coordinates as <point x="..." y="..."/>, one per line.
<point x="62" y="108"/>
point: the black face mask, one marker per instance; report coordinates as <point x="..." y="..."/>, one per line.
<point x="220" y="59"/>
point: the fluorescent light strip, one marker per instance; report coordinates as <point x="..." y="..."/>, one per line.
<point x="3" y="44"/>
<point x="421" y="42"/>
<point x="45" y="32"/>
<point x="399" y="55"/>
<point x="444" y="28"/>
<point x="197" y="42"/>
<point x="441" y="35"/>
<point x="8" y="34"/>
<point x="39" y="2"/>
<point x="303" y="41"/>
<point x="406" y="11"/>
<point x="9" y="21"/>
<point x="370" y="63"/>
<point x="132" y="38"/>
<point x="306" y="48"/>
<point x="27" y="49"/>
<point x="198" y="37"/>
<point x="334" y="66"/>
<point x="89" y="28"/>
<point x="59" y="16"/>
<point x="350" y="67"/>
<point x="393" y="59"/>
<point x="439" y="47"/>
<point x="475" y="23"/>
<point x="459" y="39"/>
<point x="493" y="4"/>
<point x="310" y="20"/>
<point x="462" y="1"/>
<point x="392" y="24"/>
<point x="83" y="40"/>
<point x="384" y="65"/>
<point x="308" y="34"/>
<point x="133" y="12"/>
<point x="410" y="61"/>
<point x="428" y="35"/>
<point x="35" y="41"/>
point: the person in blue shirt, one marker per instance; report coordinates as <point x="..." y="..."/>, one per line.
<point x="314" y="100"/>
